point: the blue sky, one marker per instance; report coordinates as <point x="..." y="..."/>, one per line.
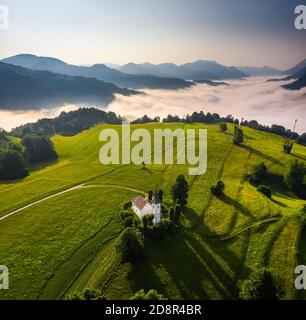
<point x="233" y="32"/>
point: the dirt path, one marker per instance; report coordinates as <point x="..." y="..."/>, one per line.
<point x="40" y="201"/>
<point x="81" y="186"/>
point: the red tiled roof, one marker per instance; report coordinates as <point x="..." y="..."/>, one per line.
<point x="139" y="202"/>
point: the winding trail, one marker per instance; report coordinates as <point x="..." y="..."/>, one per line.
<point x="78" y="187"/>
<point x="40" y="201"/>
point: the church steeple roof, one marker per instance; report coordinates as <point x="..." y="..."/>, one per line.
<point x="156" y="199"/>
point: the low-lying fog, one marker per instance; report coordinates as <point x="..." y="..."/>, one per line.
<point x="253" y="98"/>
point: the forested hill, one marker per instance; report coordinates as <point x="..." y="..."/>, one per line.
<point x="22" y="88"/>
<point x="68" y="123"/>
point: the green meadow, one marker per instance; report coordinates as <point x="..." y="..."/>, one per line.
<point x="67" y="243"/>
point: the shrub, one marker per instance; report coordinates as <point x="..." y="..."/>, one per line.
<point x="131" y="245"/>
<point x="261" y="285"/>
<point x="126" y="214"/>
<point x="151" y="295"/>
<point x="130" y="222"/>
<point x="265" y="190"/>
<point x="223" y="127"/>
<point x="87" y="294"/>
<point x="218" y="189"/>
<point x="127" y="205"/>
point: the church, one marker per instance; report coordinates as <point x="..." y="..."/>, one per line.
<point x="142" y="207"/>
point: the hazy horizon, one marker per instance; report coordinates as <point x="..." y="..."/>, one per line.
<point x="251" y="99"/>
<point x="233" y="33"/>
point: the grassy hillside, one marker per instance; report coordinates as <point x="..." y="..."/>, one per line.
<point x="67" y="242"/>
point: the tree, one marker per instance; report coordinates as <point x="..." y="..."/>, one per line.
<point x="294" y="176"/>
<point x="261" y="285"/>
<point x="179" y="191"/>
<point x="38" y="148"/>
<point x="238" y="136"/>
<point x="150" y="196"/>
<point x="12" y="165"/>
<point x="161" y="195"/>
<point x="223" y="127"/>
<point x="265" y="190"/>
<point x="288" y="145"/>
<point x="259" y="174"/>
<point x="151" y="295"/>
<point x="218" y="189"/>
<point x="131" y="245"/>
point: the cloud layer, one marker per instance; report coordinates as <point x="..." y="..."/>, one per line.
<point x="254" y="98"/>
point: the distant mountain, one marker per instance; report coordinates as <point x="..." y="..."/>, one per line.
<point x="23" y="88"/>
<point x="296" y="69"/>
<point x="260" y="71"/>
<point x="300" y="81"/>
<point x="98" y="71"/>
<point x="112" y="65"/>
<point x="198" y="70"/>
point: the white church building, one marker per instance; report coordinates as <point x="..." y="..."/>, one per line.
<point x="142" y="207"/>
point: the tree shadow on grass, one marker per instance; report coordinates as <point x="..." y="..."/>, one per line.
<point x="298" y="156"/>
<point x="193" y="271"/>
<point x="42" y="165"/>
<point x="273" y="239"/>
<point x="262" y="155"/>
<point x="202" y="232"/>
<point x="237" y="205"/>
<point x="276" y="182"/>
<point x="143" y="276"/>
<point x="283" y="205"/>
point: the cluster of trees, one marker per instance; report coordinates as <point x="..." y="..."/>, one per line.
<point x="261" y="285"/>
<point x="293" y="178"/>
<point x="131" y="243"/>
<point x="97" y="295"/>
<point x="68" y="123"/>
<point x="151" y="295"/>
<point x="12" y="162"/>
<point x="14" y="157"/>
<point x="258" y="178"/>
<point x="87" y="295"/>
<point x="38" y="148"/>
<point x="216" y="118"/>
<point x="145" y="119"/>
